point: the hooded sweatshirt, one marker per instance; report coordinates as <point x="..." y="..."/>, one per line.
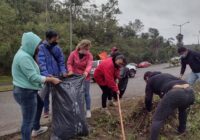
<point x="106" y="74"/>
<point x="25" y="71"/>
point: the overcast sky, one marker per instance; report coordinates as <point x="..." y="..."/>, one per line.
<point x="161" y="14"/>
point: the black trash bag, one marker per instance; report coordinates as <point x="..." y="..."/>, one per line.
<point x="46" y="89"/>
<point x="68" y="119"/>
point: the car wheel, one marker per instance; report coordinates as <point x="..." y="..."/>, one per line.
<point x="132" y="73"/>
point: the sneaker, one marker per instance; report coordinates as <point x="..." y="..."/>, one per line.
<point x="106" y="111"/>
<point x="46" y="114"/>
<point x="110" y="103"/>
<point x="88" y="114"/>
<point x="42" y="130"/>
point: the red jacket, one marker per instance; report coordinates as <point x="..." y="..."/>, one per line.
<point x="79" y="66"/>
<point x="106" y="74"/>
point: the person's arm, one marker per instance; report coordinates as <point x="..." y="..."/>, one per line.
<point x="148" y="97"/>
<point x="60" y="58"/>
<point x="70" y="62"/>
<point x="42" y="62"/>
<point x="183" y="68"/>
<point x="29" y="70"/>
<point x="89" y="65"/>
<point x="110" y="79"/>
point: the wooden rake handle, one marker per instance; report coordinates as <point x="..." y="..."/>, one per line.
<point x="121" y="119"/>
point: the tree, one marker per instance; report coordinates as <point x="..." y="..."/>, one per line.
<point x="145" y="35"/>
<point x="153" y="32"/>
<point x="97" y="23"/>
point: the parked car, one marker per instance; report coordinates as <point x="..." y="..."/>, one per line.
<point x="144" y="64"/>
<point x="132" y="69"/>
<point x="175" y="61"/>
<point x="131" y="66"/>
<point x="94" y="66"/>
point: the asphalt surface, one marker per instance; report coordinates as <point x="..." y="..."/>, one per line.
<point x="10" y="115"/>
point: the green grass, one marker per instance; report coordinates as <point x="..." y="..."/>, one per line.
<point x="6" y="88"/>
<point x="5" y="79"/>
<point x="5" y="83"/>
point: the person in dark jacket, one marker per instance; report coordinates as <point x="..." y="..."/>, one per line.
<point x="106" y="74"/>
<point x="123" y="82"/>
<point x="175" y="94"/>
<point x="51" y="62"/>
<point x="191" y="58"/>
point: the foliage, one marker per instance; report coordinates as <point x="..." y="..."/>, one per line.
<point x="97" y="23"/>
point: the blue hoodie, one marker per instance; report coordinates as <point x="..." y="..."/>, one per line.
<point x="25" y="71"/>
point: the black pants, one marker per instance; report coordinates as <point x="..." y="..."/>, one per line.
<point x="107" y="94"/>
<point x="180" y="99"/>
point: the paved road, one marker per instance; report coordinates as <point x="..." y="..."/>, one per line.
<point x="10" y="115"/>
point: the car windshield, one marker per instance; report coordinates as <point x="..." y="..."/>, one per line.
<point x="94" y="64"/>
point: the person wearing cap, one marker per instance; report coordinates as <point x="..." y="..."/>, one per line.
<point x="174" y="93"/>
<point x="27" y="81"/>
<point x="106" y="75"/>
<point x="51" y="62"/>
<point x="191" y="58"/>
<point x="113" y="51"/>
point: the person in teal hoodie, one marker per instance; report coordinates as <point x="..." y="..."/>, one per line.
<point x="27" y="81"/>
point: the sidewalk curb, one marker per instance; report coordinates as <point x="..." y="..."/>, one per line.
<point x="5" y="91"/>
<point x="17" y="130"/>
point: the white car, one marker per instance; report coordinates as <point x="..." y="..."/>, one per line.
<point x="95" y="64"/>
<point x="132" y="69"/>
<point x="175" y="61"/>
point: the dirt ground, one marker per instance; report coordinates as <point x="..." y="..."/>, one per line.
<point x="137" y="123"/>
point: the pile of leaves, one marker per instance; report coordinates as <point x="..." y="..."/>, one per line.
<point x="137" y="122"/>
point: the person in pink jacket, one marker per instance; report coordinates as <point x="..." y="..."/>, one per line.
<point x="80" y="62"/>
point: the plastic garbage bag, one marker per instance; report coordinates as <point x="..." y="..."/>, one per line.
<point x="68" y="119"/>
<point x="46" y="89"/>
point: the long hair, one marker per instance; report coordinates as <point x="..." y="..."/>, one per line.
<point x="85" y="43"/>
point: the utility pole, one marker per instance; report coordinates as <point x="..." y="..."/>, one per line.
<point x="179" y="37"/>
<point x="70" y="25"/>
<point x="181" y="25"/>
<point x="46" y="8"/>
<point x="198" y="37"/>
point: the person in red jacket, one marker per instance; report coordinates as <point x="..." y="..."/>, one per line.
<point x="106" y="74"/>
<point x="80" y="62"/>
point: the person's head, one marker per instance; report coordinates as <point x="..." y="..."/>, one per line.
<point x="149" y="74"/>
<point x="113" y="50"/>
<point x="84" y="46"/>
<point x="119" y="60"/>
<point x="30" y="43"/>
<point x="52" y="37"/>
<point x="182" y="51"/>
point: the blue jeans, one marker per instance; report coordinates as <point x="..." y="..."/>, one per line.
<point x="193" y="77"/>
<point x="31" y="108"/>
<point x="87" y="94"/>
<point x="46" y="103"/>
<point x="46" y="99"/>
